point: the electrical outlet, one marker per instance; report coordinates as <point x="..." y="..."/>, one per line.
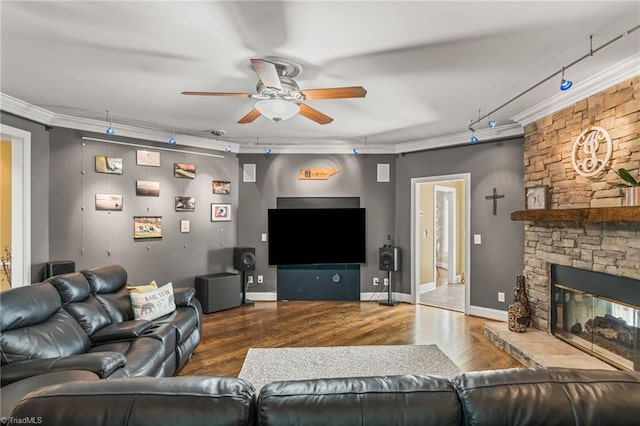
<point x="376" y="281"/>
<point x="260" y="279"/>
<point x="250" y="279"/>
<point x="386" y="281"/>
<point x="501" y="296"/>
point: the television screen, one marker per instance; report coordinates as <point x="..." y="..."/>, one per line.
<point x="311" y="236"/>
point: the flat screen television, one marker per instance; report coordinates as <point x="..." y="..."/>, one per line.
<point x="317" y="236"/>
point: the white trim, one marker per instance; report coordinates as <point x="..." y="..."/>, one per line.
<point x="377" y="296"/>
<point x="425" y="288"/>
<point x="598" y="82"/>
<point x="20" y="204"/>
<point x="452" y="241"/>
<point x="494" y="314"/>
<point x="262" y="296"/>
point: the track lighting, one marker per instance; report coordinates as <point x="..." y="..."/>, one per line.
<point x="172" y="140"/>
<point x="109" y="130"/>
<point x="228" y="148"/>
<point x="565" y="84"/>
<point x="491" y="124"/>
<point x="356" y="151"/>
<point x="474" y="139"/>
<point x="267" y="152"/>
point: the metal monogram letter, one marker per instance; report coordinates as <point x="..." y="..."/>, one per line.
<point x="586" y="157"/>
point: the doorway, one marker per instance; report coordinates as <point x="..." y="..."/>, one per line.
<point x="440" y="256"/>
<point x="16" y="209"/>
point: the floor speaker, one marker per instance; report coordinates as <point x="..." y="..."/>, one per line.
<point x="389" y="259"/>
<point x="244" y="258"/>
<point x="59" y="267"/>
<point x="218" y="292"/>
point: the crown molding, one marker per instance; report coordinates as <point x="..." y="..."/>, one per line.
<point x="622" y="71"/>
<point x="40" y="115"/>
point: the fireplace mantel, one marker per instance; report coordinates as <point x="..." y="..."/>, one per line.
<point x="580" y="215"/>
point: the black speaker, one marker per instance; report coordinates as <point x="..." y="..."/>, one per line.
<point x="244" y="258"/>
<point x="59" y="267"/>
<point x="389" y="258"/>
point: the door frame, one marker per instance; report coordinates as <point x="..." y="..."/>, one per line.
<point x="415" y="231"/>
<point x="20" y="204"/>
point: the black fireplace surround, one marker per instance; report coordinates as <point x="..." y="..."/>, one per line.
<point x="597" y="312"/>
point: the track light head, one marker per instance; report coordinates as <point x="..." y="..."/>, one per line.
<point x="565" y="84"/>
<point x="110" y="131"/>
<point x="474" y="139"/>
<point x="356" y="151"/>
<point x="491" y="124"/>
<point x="267" y="152"/>
<point x="172" y="141"/>
<point x="228" y="148"/>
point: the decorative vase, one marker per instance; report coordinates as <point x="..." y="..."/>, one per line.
<point x="519" y="309"/>
<point x="632" y="196"/>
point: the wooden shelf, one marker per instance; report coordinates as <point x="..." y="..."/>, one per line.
<point x="584" y="215"/>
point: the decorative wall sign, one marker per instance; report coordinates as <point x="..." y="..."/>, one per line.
<point x="221" y="187"/>
<point x="147" y="158"/>
<point x="220" y="212"/>
<point x="317" y="173"/>
<point x="591" y="151"/>
<point x="145" y="227"/>
<point x="110" y="165"/>
<point x="109" y="202"/>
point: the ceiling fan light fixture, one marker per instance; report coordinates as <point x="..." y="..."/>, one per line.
<point x="277" y="109"/>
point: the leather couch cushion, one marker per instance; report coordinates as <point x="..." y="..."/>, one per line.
<point x="145" y="355"/>
<point x="77" y="299"/>
<point x="28" y="305"/>
<point x="106" y="278"/>
<point x="547" y="397"/>
<point x="143" y="401"/>
<point x="117" y="305"/>
<point x="408" y="400"/>
<point x="183" y="319"/>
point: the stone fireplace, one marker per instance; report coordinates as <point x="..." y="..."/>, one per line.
<point x="583" y="238"/>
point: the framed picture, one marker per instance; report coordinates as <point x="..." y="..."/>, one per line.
<point x="147" y="188"/>
<point x="185" y="226"/>
<point x="145" y="227"/>
<point x="220" y="212"/>
<point x="537" y="197"/>
<point x="185" y="171"/>
<point x="109" y="202"/>
<point x="222" y="187"/>
<point x="147" y="158"/>
<point x="109" y="165"/>
<point x="185" y="204"/>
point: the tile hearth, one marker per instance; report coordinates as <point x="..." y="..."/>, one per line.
<point x="536" y="348"/>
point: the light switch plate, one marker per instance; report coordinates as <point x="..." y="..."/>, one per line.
<point x="477" y="239"/>
<point x="264" y="236"/>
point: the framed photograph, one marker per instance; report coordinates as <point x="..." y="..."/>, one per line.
<point x="185" y="226"/>
<point x="184" y="171"/>
<point x="109" y="202"/>
<point x="185" y="204"/>
<point x="147" y="158"/>
<point x="221" y="187"/>
<point x="537" y="197"/>
<point x="109" y="165"/>
<point x="146" y="227"/>
<point x="147" y="188"/>
<point x="220" y="212"/>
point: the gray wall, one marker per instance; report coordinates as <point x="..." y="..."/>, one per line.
<point x="93" y="237"/>
<point x="39" y="191"/>
<point x="494" y="263"/>
<point x="277" y="176"/>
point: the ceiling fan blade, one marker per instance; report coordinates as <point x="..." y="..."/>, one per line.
<point x="241" y="95"/>
<point x="267" y="72"/>
<point x="314" y="114"/>
<point x="252" y="115"/>
<point x="335" y="93"/>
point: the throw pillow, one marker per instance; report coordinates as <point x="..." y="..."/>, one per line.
<point x="153" y="304"/>
<point x="142" y="288"/>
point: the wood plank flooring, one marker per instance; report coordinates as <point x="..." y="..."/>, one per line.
<point x="228" y="335"/>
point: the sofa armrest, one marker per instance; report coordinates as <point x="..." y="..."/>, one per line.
<point x="119" y="331"/>
<point x="184" y="295"/>
<point x="101" y="363"/>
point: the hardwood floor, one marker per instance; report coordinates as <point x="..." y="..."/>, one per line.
<point x="228" y="335"/>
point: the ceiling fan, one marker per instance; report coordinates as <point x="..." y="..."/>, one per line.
<point x="279" y="96"/>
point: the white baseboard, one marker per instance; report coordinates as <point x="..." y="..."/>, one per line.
<point x="379" y="295"/>
<point x="493" y="314"/>
<point x="262" y="296"/>
<point x="457" y="279"/>
<point x="424" y="288"/>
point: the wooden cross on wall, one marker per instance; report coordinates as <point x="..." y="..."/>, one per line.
<point x="494" y="197"/>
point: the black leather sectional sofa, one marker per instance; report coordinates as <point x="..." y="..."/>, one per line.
<point x="520" y="397"/>
<point x="84" y="321"/>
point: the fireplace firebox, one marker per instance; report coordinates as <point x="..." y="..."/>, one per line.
<point x="598" y="313"/>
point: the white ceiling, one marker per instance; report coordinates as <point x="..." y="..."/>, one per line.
<point x="428" y="66"/>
